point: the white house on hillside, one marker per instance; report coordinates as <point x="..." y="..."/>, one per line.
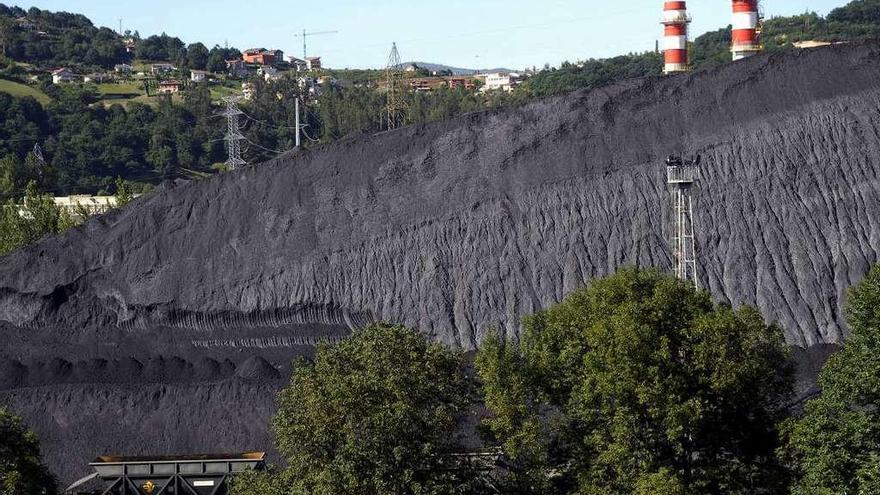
<point x="161" y="68"/>
<point x="504" y="81"/>
<point x="198" y="76"/>
<point x="63" y="75"/>
<point x="96" y="78"/>
<point x="298" y="64"/>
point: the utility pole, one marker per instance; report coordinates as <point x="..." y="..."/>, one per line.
<point x="233" y="133"/>
<point x="395" y="106"/>
<point x="299" y="127"/>
<point x="681" y="176"/>
<point x="305" y="36"/>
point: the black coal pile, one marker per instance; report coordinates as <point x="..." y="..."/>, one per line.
<point x="165" y="327"/>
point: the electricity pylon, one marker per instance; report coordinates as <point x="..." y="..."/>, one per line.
<point x="41" y="161"/>
<point x="233" y="132"/>
<point x="681" y="176"/>
<point x="38" y="154"/>
<point x="395" y="107"/>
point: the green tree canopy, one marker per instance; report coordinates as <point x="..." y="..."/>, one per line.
<point x="639" y="384"/>
<point x="21" y="467"/>
<point x="216" y="63"/>
<point x="836" y="444"/>
<point x="123" y="193"/>
<point x="377" y="413"/>
<point x="35" y="217"/>
<point x="197" y="56"/>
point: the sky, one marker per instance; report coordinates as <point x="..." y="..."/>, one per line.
<point x="476" y="34"/>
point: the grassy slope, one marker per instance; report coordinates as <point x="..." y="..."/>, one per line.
<point x="20" y="90"/>
<point x="121" y="89"/>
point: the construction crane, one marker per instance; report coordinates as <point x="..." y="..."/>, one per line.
<point x="305" y="36"/>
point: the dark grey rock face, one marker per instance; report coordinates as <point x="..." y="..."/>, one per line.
<point x="459" y="227"/>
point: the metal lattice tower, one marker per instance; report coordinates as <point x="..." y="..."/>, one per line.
<point x="234" y="137"/>
<point x="41" y="161"/>
<point x="38" y="154"/>
<point x="395" y="107"/>
<point x="681" y="176"/>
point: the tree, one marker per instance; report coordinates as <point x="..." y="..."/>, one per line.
<point x="197" y="56"/>
<point x="28" y="222"/>
<point x="376" y="413"/>
<point x="640" y="384"/>
<point x="6" y="32"/>
<point x="712" y="49"/>
<point x="836" y="443"/>
<point x="21" y="467"/>
<point x="123" y="193"/>
<point x="857" y="12"/>
<point x="216" y="63"/>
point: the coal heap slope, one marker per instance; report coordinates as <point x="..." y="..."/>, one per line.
<point x="465" y="225"/>
<point x="166" y="327"/>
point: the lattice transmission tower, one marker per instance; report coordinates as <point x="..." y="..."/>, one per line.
<point x="38" y="154"/>
<point x="395" y="108"/>
<point x="41" y="160"/>
<point x="681" y="176"/>
<point x="234" y="137"/>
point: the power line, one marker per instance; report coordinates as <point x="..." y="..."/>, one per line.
<point x="333" y="135"/>
<point x="264" y="148"/>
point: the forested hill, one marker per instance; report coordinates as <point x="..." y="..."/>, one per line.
<point x="57" y="38"/>
<point x="54" y="39"/>
<point x="855" y="21"/>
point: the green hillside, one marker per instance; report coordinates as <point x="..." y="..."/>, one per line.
<point x="21" y="90"/>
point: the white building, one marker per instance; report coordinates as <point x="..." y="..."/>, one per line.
<point x="63" y="75"/>
<point x="161" y="68"/>
<point x="247" y="90"/>
<point x="298" y="64"/>
<point x="123" y="68"/>
<point x="198" y="76"/>
<point x="78" y="205"/>
<point x="96" y="78"/>
<point x="505" y="81"/>
<point x="270" y="73"/>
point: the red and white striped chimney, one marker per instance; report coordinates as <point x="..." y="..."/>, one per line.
<point x="745" y="29"/>
<point x="675" y="37"/>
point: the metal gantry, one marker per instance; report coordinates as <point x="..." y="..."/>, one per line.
<point x="199" y="474"/>
<point x="681" y="176"/>
<point x="234" y="137"/>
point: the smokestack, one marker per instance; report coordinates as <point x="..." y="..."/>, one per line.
<point x="675" y="39"/>
<point x="745" y="29"/>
